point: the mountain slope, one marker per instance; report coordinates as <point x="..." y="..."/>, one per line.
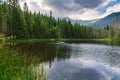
<point x="108" y="20"/>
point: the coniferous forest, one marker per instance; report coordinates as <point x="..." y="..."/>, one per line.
<point x="16" y="23"/>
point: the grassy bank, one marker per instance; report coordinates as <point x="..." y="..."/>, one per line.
<point x="14" y="66"/>
<point x="115" y="41"/>
<point x="40" y="40"/>
<point x="85" y="39"/>
<point x="30" y="40"/>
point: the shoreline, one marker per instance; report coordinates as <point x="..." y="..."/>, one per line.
<point x="47" y="40"/>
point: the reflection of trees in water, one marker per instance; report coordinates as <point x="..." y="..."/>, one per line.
<point x="44" y="51"/>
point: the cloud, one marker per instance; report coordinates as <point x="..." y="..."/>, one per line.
<point x="72" y="6"/>
<point x="75" y="9"/>
<point x="107" y="2"/>
<point x="89" y="3"/>
<point x="88" y="14"/>
<point x="111" y="9"/>
<point x="35" y="6"/>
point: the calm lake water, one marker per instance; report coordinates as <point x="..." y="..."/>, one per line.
<point x="75" y="61"/>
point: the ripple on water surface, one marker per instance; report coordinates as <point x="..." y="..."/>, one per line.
<point x="87" y="62"/>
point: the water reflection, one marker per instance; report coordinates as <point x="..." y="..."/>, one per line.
<point x="112" y="56"/>
<point x="46" y="52"/>
<point x="79" y="61"/>
<point x="81" y="69"/>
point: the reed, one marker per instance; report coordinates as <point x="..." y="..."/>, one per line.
<point x="14" y="66"/>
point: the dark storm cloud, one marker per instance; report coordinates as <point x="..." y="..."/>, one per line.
<point x="59" y="4"/>
<point x="73" y="5"/>
<point x="89" y="3"/>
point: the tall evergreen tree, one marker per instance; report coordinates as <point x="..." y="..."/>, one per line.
<point x="25" y="7"/>
<point x="1" y="19"/>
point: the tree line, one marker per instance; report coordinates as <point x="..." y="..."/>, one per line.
<point x="18" y="24"/>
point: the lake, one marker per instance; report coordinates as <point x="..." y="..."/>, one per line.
<point x="74" y="61"/>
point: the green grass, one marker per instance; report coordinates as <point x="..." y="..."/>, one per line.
<point x="29" y="40"/>
<point x="2" y="40"/>
<point x="114" y="41"/>
<point x="14" y="66"/>
<point x="106" y="40"/>
<point x="40" y="40"/>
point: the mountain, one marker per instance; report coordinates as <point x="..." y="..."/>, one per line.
<point x="82" y="22"/>
<point x="108" y="20"/>
<point x="1" y="1"/>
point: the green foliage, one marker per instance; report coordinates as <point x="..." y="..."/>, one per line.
<point x="1" y="18"/>
<point x="2" y="40"/>
<point x="18" y="67"/>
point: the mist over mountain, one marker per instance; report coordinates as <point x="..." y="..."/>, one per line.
<point x="108" y="20"/>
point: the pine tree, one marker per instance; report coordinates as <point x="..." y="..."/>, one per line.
<point x="1" y="19"/>
<point x="25" y="7"/>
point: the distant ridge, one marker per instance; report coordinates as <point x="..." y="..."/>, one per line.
<point x="108" y="20"/>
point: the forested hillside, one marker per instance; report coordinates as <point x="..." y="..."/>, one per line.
<point x="18" y="24"/>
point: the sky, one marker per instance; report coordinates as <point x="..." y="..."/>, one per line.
<point x="74" y="9"/>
